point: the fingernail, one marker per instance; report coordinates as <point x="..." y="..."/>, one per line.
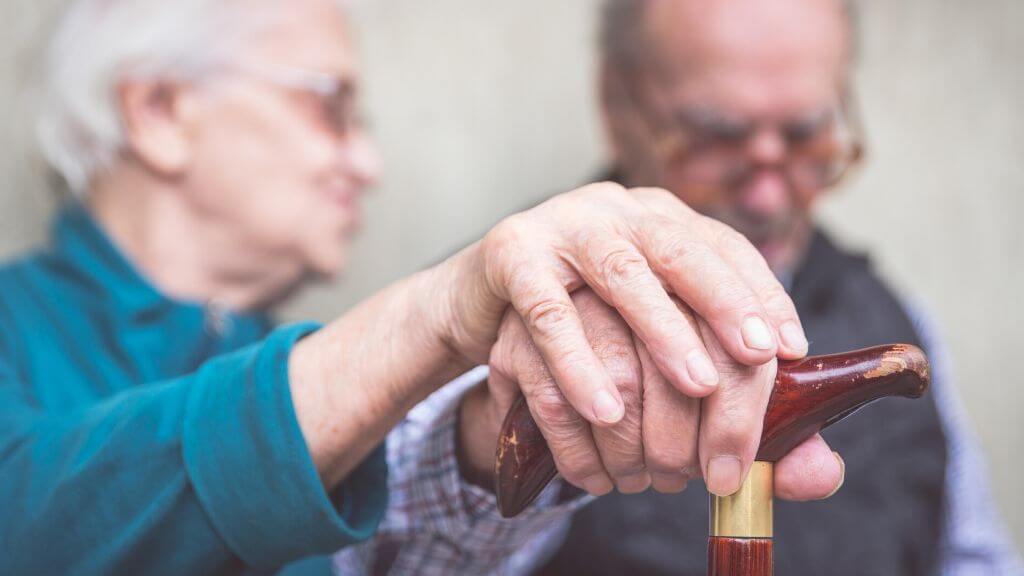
<point x="724" y="475"/>
<point x="597" y="485"/>
<point x="793" y="337"/>
<point x="702" y="371"/>
<point x="842" y="477"/>
<point x="607" y="408"/>
<point x="756" y="334"/>
<point x="634" y="484"/>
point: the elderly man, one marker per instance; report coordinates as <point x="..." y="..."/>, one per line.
<point x="742" y="109"/>
<point x="153" y="421"/>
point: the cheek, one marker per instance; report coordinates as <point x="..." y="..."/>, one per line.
<point x="703" y="199"/>
<point x="805" y="199"/>
<point x="261" y="172"/>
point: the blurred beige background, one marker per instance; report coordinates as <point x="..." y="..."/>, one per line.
<point x="481" y="108"/>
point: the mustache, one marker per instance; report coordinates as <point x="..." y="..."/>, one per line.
<point x="757" y="228"/>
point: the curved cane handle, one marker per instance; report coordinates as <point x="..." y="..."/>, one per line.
<point x="809" y="395"/>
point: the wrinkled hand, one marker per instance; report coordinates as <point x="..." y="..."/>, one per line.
<point x="666" y="438"/>
<point x="634" y="248"/>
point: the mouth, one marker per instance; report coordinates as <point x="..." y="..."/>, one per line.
<point x="347" y="204"/>
<point x="759" y="231"/>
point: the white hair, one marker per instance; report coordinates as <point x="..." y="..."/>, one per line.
<point x="100" y="43"/>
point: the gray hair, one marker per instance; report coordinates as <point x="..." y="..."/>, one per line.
<point x="100" y="43"/>
<point x="623" y="42"/>
<point x="621" y="34"/>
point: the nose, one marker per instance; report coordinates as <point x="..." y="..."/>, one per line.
<point x="361" y="160"/>
<point x="767" y="191"/>
<point x="767" y="147"/>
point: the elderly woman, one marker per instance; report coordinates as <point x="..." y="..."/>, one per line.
<point x="154" y="421"/>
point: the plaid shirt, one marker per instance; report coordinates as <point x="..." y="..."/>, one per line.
<point x="436" y="523"/>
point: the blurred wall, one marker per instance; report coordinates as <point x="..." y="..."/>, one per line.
<point x="481" y="108"/>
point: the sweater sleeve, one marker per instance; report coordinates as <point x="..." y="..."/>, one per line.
<point x="207" y="473"/>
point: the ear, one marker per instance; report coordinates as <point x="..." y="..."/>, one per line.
<point x="625" y="129"/>
<point x="157" y="118"/>
<point x="610" y="96"/>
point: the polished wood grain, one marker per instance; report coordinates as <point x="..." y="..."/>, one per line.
<point x="809" y="395"/>
<point x="739" y="556"/>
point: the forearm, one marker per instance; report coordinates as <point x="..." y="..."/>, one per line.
<point x="437" y="521"/>
<point x="355" y="379"/>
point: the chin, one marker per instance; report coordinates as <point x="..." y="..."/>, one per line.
<point x="328" y="265"/>
<point x="783" y="256"/>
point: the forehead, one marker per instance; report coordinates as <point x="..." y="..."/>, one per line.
<point x="309" y="34"/>
<point x="753" y="56"/>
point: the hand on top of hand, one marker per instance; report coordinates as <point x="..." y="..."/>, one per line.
<point x="682" y="307"/>
<point x="666" y="438"/>
<point x="634" y="248"/>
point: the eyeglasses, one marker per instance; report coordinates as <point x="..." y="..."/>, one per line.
<point x="711" y="150"/>
<point x="336" y="95"/>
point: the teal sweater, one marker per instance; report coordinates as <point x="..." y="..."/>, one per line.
<point x="139" y="435"/>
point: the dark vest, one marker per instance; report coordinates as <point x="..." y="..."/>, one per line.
<point x="886" y="519"/>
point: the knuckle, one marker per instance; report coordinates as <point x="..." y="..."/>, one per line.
<point x="621" y="269"/>
<point x="632" y="399"/>
<point x="777" y="302"/>
<point x="608" y="191"/>
<point x="504" y="245"/>
<point x="620" y="362"/>
<point x="511" y="329"/>
<point x="554" y="411"/>
<point x="591" y="196"/>
<point x="622" y="446"/>
<point x="627" y="470"/>
<point x="741" y="431"/>
<point x="682" y="252"/>
<point x="512" y="343"/>
<point x="654" y="194"/>
<point x="548" y="317"/>
<point x="665" y="458"/>
<point x="623" y="455"/>
<point x="730" y="297"/>
<point x="500" y="362"/>
<point x="577" y="461"/>
<point x="670" y="442"/>
<point x="508" y="232"/>
<point x="729" y="239"/>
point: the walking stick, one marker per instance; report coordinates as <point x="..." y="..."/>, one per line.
<point x="809" y="395"/>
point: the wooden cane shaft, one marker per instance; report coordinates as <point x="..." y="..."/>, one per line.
<point x="739" y="556"/>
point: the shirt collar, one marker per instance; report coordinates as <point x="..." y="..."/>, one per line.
<point x="83" y="248"/>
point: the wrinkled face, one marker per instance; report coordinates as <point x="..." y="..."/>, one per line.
<point x="277" y="157"/>
<point x="736" y="109"/>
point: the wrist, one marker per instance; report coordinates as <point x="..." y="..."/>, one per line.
<point x="469" y="309"/>
<point x="310" y="395"/>
<point x="354" y="380"/>
<point x="476" y="437"/>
